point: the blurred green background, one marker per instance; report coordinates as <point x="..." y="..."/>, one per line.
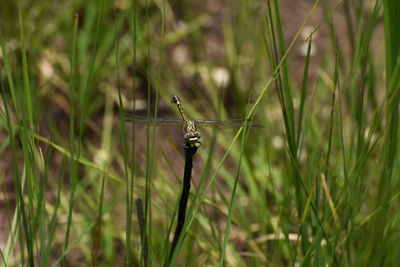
<point x="317" y="185"/>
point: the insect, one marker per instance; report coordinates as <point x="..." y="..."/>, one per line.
<point x="190" y="133"/>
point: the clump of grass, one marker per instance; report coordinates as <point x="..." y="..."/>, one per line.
<point x="317" y="185"/>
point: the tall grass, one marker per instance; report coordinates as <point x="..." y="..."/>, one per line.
<point x="317" y="185"/>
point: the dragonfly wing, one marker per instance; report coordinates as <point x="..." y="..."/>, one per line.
<point x="151" y="120"/>
<point x="228" y="123"/>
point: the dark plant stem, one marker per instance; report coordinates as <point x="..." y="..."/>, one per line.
<point x="189" y="152"/>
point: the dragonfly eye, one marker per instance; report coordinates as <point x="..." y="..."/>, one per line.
<point x="187" y="136"/>
<point x="192" y="136"/>
<point x="174" y="99"/>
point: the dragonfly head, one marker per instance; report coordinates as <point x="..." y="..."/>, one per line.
<point x="191" y="135"/>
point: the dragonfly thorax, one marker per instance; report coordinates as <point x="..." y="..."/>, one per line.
<point x="191" y="134"/>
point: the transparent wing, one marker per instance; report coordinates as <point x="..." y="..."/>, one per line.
<point x="151" y="120"/>
<point x="228" y="123"/>
<point x="179" y="122"/>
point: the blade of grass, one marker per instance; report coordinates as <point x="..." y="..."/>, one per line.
<point x="283" y="89"/>
<point x="97" y="233"/>
<point x="389" y="175"/>
<point x="245" y="136"/>
<point x="8" y="71"/>
<point x="149" y="159"/>
<point x="27" y="89"/>
<point x="129" y="194"/>
<point x="41" y="214"/>
<point x="73" y="164"/>
<point x="52" y="224"/>
<point x="81" y="159"/>
<point x="19" y="192"/>
<point x="128" y="219"/>
<point x="303" y="90"/>
<point x="150" y="153"/>
<point x="83" y="117"/>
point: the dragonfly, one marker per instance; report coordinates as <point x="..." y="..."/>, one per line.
<point x="190" y="133"/>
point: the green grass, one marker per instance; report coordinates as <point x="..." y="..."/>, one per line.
<point x="317" y="185"/>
